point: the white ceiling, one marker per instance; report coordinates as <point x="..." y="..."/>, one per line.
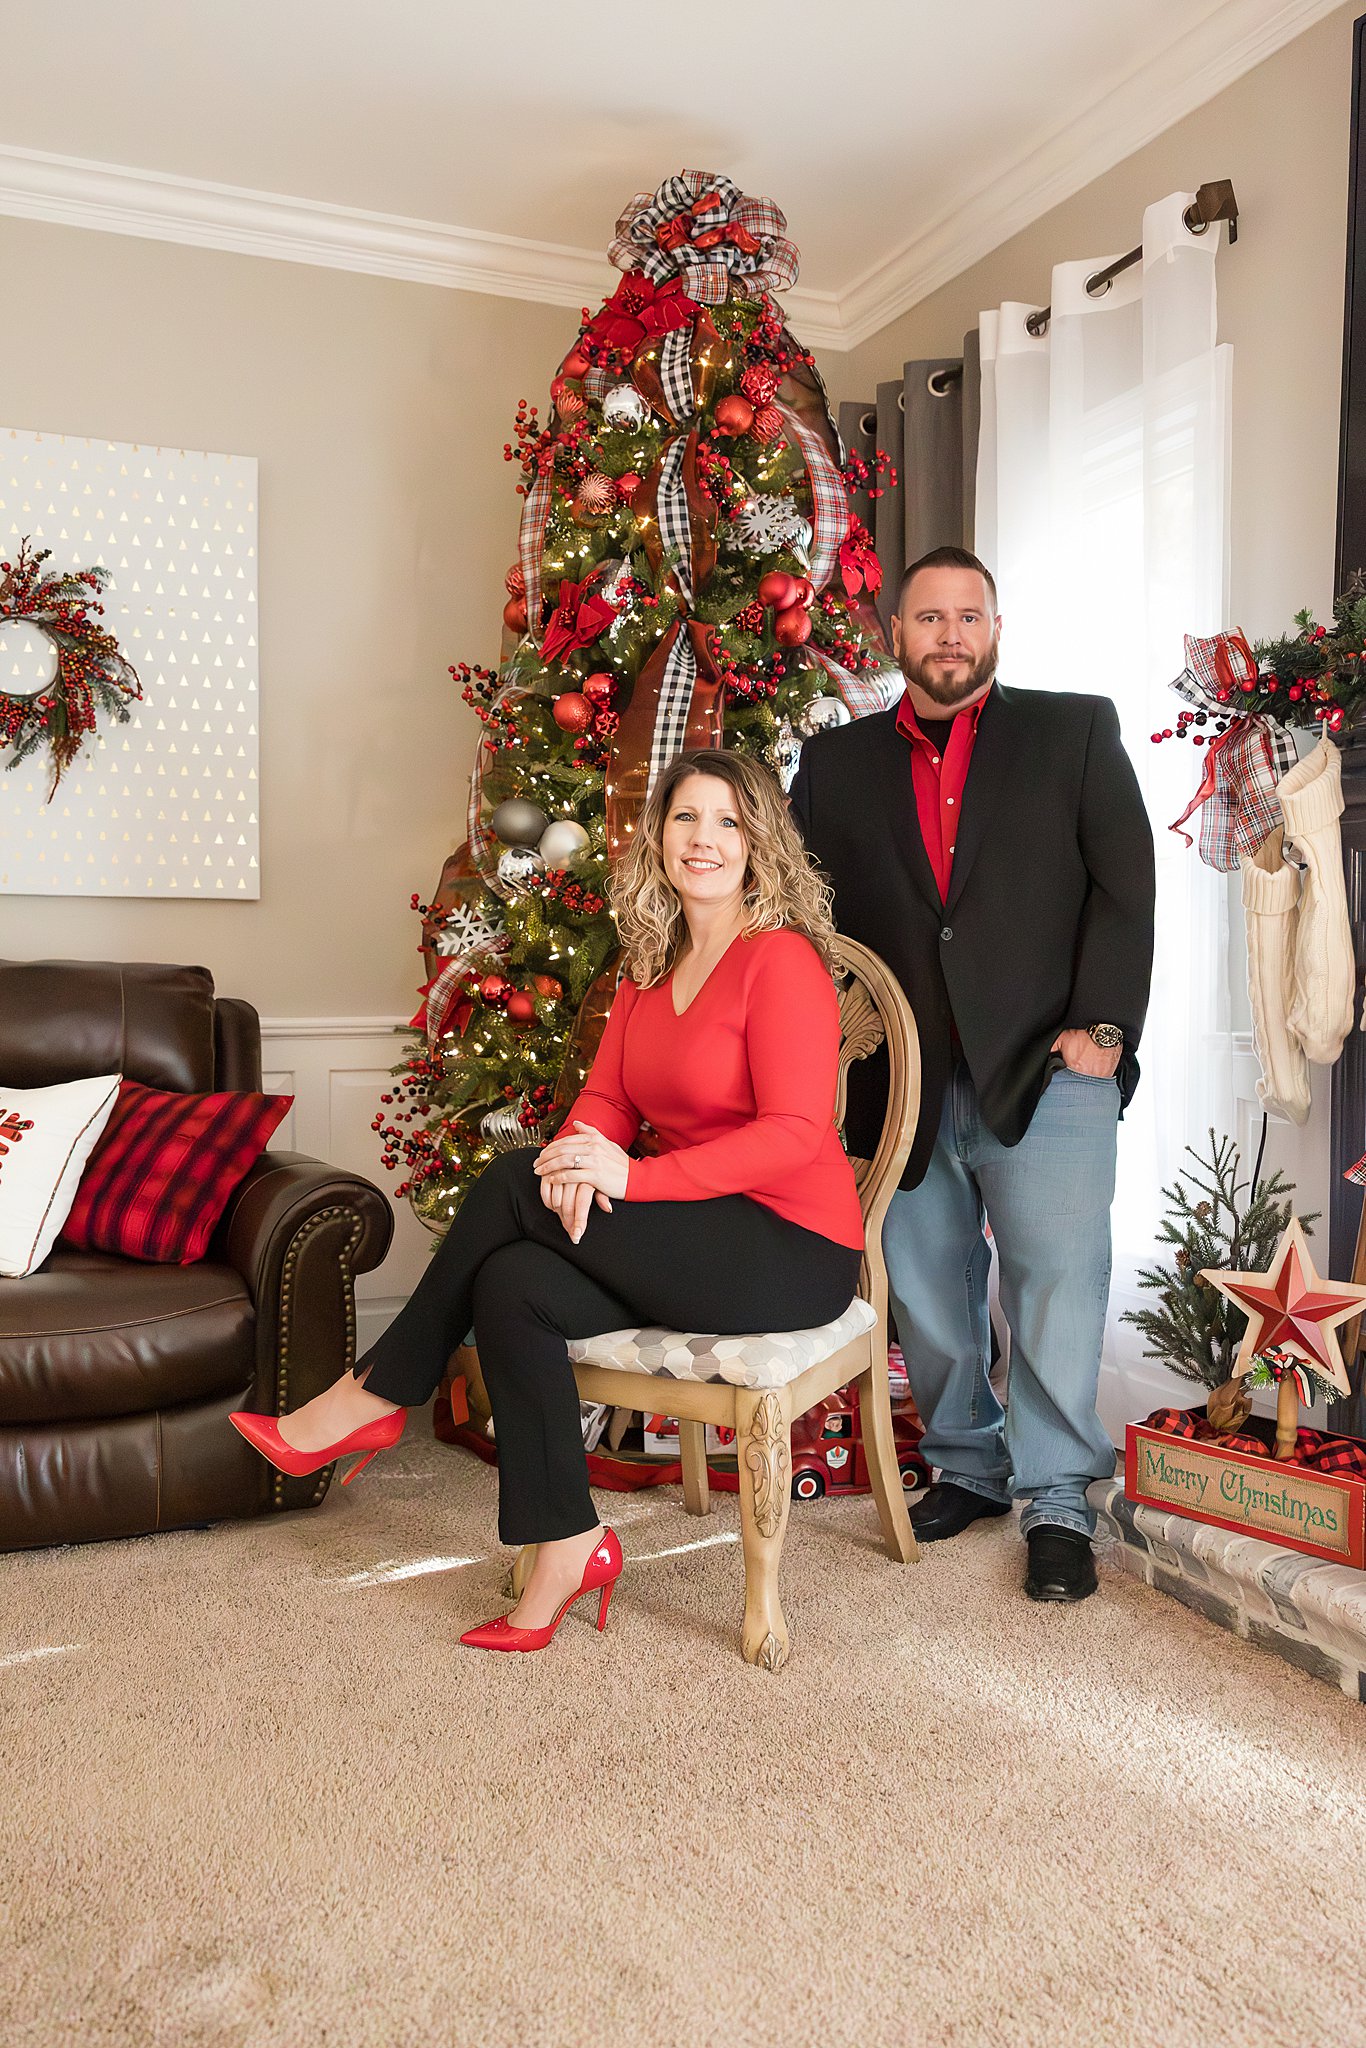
<point x="903" y="140"/>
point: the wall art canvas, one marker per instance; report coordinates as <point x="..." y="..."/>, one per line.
<point x="167" y="805"/>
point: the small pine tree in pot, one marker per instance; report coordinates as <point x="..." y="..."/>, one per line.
<point x="1214" y="1220"/>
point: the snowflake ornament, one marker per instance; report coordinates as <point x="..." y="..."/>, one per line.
<point x="763" y="526"/>
<point x="465" y="930"/>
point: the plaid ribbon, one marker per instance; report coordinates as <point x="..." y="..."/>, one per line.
<point x="1357" y="1173"/>
<point x="1315" y="1450"/>
<point x="701" y="227"/>
<point x="530" y="542"/>
<point x="876" y="689"/>
<point x="675" y="372"/>
<point x="675" y="527"/>
<point x="1237" y="794"/>
<point x="829" y="498"/>
<point x="673" y="706"/>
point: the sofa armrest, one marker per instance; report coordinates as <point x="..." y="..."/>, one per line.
<point x="298" y="1232"/>
<point x="281" y="1195"/>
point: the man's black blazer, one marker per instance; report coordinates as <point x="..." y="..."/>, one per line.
<point x="1049" y="920"/>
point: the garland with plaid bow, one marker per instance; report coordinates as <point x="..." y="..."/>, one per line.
<point x="689" y="574"/>
<point x="92" y="677"/>
<point x="1242" y="697"/>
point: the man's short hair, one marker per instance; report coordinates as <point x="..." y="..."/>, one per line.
<point x="946" y="558"/>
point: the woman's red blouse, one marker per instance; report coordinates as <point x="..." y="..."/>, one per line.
<point x="740" y="1089"/>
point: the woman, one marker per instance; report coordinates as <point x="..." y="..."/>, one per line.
<point x="725" y="1039"/>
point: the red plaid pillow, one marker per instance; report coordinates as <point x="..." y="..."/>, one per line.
<point x="160" y="1177"/>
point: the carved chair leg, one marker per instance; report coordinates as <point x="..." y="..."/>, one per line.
<point x="763" y="1449"/>
<point x="521" y="1570"/>
<point x="884" y="1475"/>
<point x="692" y="1444"/>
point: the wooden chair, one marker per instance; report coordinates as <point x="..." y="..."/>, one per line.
<point x="785" y="1374"/>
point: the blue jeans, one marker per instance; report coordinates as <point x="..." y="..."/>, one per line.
<point x="1048" y="1202"/>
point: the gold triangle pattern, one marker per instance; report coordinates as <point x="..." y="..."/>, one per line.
<point x="166" y="805"/>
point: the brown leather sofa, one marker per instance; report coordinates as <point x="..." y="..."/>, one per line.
<point x="117" y="1377"/>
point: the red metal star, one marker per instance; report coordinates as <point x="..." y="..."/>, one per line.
<point x="1291" y="1306"/>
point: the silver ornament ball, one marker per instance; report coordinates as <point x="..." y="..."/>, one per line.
<point x="503" y="1127"/>
<point x="561" y="842"/>
<point x="623" y="406"/>
<point x="823" y="714"/>
<point x="520" y="868"/>
<point x="519" y="822"/>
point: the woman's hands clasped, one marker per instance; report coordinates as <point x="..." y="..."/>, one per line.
<point x="577" y="1169"/>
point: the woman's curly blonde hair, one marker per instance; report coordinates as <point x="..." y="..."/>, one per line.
<point x="782" y="888"/>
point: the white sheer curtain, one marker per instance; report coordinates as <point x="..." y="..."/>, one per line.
<point x="1102" y="506"/>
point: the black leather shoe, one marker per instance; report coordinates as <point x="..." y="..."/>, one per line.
<point x="946" y="1510"/>
<point x="1061" y="1565"/>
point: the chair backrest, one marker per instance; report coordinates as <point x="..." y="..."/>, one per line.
<point x="874" y="1012"/>
<point x="64" y="1020"/>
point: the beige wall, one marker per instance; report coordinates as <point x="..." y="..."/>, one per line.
<point x="1281" y="134"/>
<point x="378" y="412"/>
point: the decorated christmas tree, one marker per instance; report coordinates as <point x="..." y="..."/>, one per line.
<point x="690" y="573"/>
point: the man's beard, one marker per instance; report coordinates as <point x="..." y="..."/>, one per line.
<point x="950" y="690"/>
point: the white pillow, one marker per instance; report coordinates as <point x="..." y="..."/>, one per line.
<point x="46" y="1136"/>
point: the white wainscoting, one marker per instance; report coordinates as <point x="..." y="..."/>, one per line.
<point x="1131" y="1386"/>
<point x="336" y="1068"/>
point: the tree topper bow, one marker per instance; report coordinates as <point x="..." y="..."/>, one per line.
<point x="701" y="227"/>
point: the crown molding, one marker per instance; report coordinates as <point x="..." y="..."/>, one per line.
<point x="1232" y="40"/>
<point x="117" y="199"/>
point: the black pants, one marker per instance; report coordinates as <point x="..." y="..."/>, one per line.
<point x="508" y="1269"/>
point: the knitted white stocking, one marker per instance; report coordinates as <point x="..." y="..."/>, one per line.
<point x="1322" y="1001"/>
<point x="1271" y="890"/>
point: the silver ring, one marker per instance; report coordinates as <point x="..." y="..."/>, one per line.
<point x="577" y="1160"/>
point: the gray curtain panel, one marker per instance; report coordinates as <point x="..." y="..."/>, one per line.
<point x="927" y="420"/>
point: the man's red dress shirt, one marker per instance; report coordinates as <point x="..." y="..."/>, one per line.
<point x="939" y="780"/>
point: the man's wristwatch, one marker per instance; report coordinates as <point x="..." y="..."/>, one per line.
<point x="1108" y="1037"/>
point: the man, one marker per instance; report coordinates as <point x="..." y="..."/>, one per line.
<point x="991" y="844"/>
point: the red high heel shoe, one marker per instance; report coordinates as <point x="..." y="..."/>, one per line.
<point x="262" y="1432"/>
<point x="602" y="1570"/>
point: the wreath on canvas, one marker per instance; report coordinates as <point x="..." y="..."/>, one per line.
<point x="93" y="678"/>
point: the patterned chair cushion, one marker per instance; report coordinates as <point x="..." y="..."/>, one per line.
<point x="771" y="1360"/>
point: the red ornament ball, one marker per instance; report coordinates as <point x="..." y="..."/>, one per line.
<point x="546" y="985"/>
<point x="759" y="383"/>
<point x="514" y="614"/>
<point x="515" y="582"/>
<point x="575" y="364"/>
<point x="558" y="387"/>
<point x="600" y="687"/>
<point x="494" y="987"/>
<point x="573" y="712"/>
<point x="792" y="627"/>
<point x="521" y="1006"/>
<point x="733" y="415"/>
<point x="627" y="486"/>
<point x="778" y="590"/>
<point x="806" y="590"/>
<point x="768" y="424"/>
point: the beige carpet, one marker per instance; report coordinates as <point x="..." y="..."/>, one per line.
<point x="255" y="1793"/>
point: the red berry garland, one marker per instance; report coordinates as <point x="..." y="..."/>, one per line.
<point x="93" y="676"/>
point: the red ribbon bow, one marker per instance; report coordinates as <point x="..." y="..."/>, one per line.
<point x="639" y="307"/>
<point x="577" y="620"/>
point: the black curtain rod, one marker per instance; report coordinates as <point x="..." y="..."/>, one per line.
<point x="1214" y="201"/>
